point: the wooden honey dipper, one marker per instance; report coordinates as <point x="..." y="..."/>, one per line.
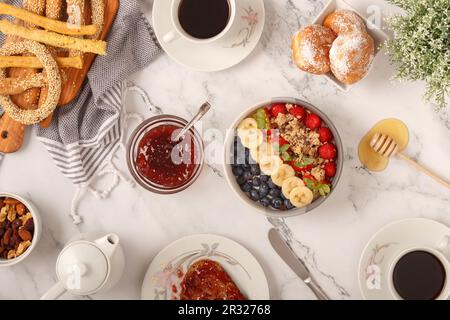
<point x="385" y="146"/>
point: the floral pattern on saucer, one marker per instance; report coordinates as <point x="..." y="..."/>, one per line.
<point x="384" y="247"/>
<point x="246" y="33"/>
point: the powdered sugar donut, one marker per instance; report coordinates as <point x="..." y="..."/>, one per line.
<point x="351" y="55"/>
<point x="311" y="46"/>
<point x="344" y="21"/>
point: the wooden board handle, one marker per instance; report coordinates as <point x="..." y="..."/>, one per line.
<point x="421" y="168"/>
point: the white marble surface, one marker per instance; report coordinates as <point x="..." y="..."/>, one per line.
<point x="331" y="238"/>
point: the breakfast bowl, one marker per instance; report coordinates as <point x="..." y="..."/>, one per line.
<point x="283" y="157"/>
<point x="20" y="228"/>
<point x="158" y="163"/>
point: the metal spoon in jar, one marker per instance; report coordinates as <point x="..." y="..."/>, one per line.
<point x="201" y="112"/>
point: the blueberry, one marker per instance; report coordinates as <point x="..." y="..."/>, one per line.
<point x="271" y="184"/>
<point x="276" y="203"/>
<point x="254" y="195"/>
<point x="241" y="180"/>
<point x="288" y="204"/>
<point x="264" y="178"/>
<point x="247" y="175"/>
<point x="256" y="181"/>
<point x="263" y="189"/>
<point x="246" y="187"/>
<point x="265" y="202"/>
<point x="274" y="193"/>
<point x="254" y="169"/>
<point x="237" y="171"/>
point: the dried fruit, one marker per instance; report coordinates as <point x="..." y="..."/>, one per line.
<point x="29" y="224"/>
<point x="4" y="212"/>
<point x="22" y="247"/>
<point x="12" y="213"/>
<point x="24" y="234"/>
<point x="16" y="228"/>
<point x="11" y="254"/>
<point x="20" y="208"/>
<point x="7" y="236"/>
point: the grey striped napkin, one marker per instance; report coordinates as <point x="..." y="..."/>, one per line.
<point x="84" y="135"/>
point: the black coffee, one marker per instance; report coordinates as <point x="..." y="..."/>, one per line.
<point x="419" y="275"/>
<point x="204" y="19"/>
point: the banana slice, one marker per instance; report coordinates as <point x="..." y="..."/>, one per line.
<point x="290" y="184"/>
<point x="264" y="149"/>
<point x="270" y="164"/>
<point x="248" y="123"/>
<point x="301" y="196"/>
<point x="284" y="171"/>
<point x="251" y="138"/>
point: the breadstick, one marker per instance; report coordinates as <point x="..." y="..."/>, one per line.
<point x="75" y="12"/>
<point x="33" y="62"/>
<point x="54" y="39"/>
<point x="98" y="15"/>
<point x="53" y="10"/>
<point x="30" y="98"/>
<point x="47" y="23"/>
<point x="10" y="86"/>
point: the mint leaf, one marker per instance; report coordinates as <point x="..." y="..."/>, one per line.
<point x="310" y="184"/>
<point x="305" y="162"/>
<point x="322" y="188"/>
<point x="261" y="119"/>
<point x="283" y="151"/>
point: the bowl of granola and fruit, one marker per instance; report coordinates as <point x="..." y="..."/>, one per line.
<point x="284" y="157"/>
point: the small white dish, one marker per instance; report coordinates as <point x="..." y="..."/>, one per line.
<point x="240" y="41"/>
<point x="163" y="272"/>
<point x="385" y="247"/>
<point x="37" y="229"/>
<point x="378" y="35"/>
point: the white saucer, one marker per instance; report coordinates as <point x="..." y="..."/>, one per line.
<point x="242" y="39"/>
<point x="385" y="245"/>
<point x="167" y="269"/>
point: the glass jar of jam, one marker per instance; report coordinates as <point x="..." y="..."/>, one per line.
<point x="160" y="164"/>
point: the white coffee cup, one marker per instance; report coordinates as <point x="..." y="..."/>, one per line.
<point x="178" y="30"/>
<point x="441" y="247"/>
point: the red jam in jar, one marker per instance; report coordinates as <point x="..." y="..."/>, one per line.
<point x="163" y="161"/>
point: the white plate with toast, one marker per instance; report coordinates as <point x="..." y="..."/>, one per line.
<point x="166" y="271"/>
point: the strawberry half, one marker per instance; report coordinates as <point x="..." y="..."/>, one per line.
<point x="278" y="108"/>
<point x="325" y="134"/>
<point x="313" y="121"/>
<point x="330" y="169"/>
<point x="327" y="151"/>
<point x="298" y="112"/>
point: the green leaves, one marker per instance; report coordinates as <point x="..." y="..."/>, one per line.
<point x="317" y="187"/>
<point x="284" y="154"/>
<point x="421" y="46"/>
<point x="261" y="119"/>
<point x="305" y="162"/>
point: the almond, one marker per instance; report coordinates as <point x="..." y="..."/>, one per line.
<point x="20" y="208"/>
<point x="24" y="234"/>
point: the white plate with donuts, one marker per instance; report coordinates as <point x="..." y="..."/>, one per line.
<point x="340" y="44"/>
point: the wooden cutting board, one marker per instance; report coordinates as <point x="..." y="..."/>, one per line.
<point x="11" y="132"/>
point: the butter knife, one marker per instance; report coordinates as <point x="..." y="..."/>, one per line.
<point x="284" y="250"/>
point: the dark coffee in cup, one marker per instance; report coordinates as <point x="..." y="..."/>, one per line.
<point x="204" y="19"/>
<point x="419" y="275"/>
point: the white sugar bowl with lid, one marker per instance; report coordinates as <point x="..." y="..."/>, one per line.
<point x="88" y="265"/>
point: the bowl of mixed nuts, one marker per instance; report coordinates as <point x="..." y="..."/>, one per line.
<point x="20" y="228"/>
